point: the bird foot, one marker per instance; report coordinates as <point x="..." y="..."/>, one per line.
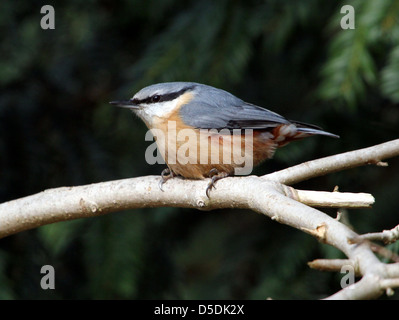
<point x="166" y="174"/>
<point x="215" y="175"/>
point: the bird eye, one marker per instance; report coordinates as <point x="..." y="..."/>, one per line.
<point x="155" y="98"/>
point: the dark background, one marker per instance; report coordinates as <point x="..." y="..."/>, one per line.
<point x="57" y="129"/>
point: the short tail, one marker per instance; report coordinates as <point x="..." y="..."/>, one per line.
<point x="312" y="129"/>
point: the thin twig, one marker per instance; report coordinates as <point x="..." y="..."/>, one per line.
<point x="333" y="265"/>
<point x="384" y="252"/>
<point x="343" y="161"/>
<point x="387" y="236"/>
<point x="331" y="199"/>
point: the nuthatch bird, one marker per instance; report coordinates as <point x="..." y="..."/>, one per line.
<point x="211" y="115"/>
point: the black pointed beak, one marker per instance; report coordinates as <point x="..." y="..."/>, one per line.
<point x="129" y="104"/>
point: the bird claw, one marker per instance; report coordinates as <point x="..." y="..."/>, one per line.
<point x="166" y="174"/>
<point x="215" y="176"/>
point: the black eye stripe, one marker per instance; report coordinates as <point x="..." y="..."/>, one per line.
<point x="162" y="97"/>
<point x="155" y="98"/>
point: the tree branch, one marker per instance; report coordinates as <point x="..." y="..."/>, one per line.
<point x="347" y="160"/>
<point x="69" y="203"/>
<point x="266" y="196"/>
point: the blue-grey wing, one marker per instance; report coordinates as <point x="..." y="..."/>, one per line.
<point x="218" y="109"/>
<point x="240" y="116"/>
<point x="213" y="108"/>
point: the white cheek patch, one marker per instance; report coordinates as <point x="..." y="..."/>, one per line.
<point x="159" y="110"/>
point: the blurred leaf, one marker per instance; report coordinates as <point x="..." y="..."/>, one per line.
<point x="57" y="236"/>
<point x="351" y="68"/>
<point x="390" y="76"/>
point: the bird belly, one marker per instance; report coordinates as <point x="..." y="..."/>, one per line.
<point x="193" y="153"/>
